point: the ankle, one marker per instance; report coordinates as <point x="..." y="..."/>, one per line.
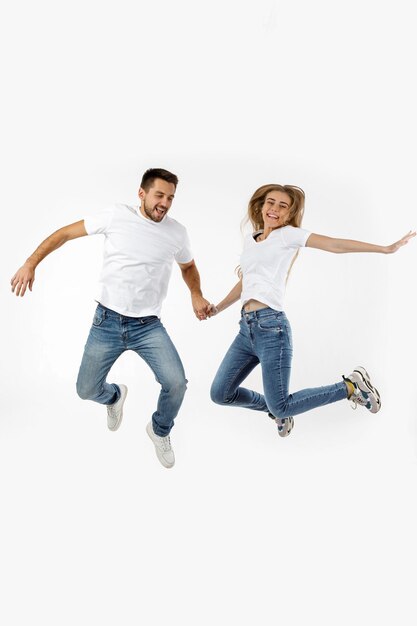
<point x="350" y="387"/>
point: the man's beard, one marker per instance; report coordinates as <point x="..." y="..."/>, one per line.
<point x="152" y="214"/>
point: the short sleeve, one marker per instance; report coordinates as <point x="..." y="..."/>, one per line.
<point x="98" y="223"/>
<point x="184" y="254"/>
<point x="295" y="237"/>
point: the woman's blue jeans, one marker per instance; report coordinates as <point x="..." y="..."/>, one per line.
<point x="112" y="334"/>
<point x="265" y="338"/>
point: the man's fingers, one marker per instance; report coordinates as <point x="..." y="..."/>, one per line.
<point x="22" y="281"/>
<point x="15" y="282"/>
<point x="21" y="288"/>
<point x="201" y="308"/>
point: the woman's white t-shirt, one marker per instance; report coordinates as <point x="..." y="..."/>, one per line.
<point x="138" y="258"/>
<point x="265" y="264"/>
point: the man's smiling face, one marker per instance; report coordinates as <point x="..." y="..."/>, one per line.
<point x="156" y="202"/>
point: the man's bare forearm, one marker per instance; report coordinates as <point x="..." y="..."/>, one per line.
<point x="51" y="243"/>
<point x="25" y="276"/>
<point x="192" y="280"/>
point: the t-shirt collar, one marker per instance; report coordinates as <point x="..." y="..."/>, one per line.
<point x="139" y="212"/>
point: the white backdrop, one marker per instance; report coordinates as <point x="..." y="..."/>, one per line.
<point x="247" y="528"/>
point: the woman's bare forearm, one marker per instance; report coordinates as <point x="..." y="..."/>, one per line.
<point x="339" y="246"/>
<point x="232" y="297"/>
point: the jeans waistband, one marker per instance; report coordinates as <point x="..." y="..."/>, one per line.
<point x="261" y="313"/>
<point x="111" y="313"/>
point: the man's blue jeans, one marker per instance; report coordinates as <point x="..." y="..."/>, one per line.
<point x="265" y="338"/>
<point x="112" y="334"/>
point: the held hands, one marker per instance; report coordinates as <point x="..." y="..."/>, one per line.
<point x="23" y="279"/>
<point x="212" y="310"/>
<point x="402" y="242"/>
<point x="202" y="308"/>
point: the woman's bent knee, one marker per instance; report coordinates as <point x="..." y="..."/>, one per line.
<point x="217" y="394"/>
<point x="280" y="411"/>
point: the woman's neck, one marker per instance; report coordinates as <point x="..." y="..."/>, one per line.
<point x="267" y="231"/>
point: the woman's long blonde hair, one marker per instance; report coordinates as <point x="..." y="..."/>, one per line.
<point x="257" y="201"/>
<point x="296" y="214"/>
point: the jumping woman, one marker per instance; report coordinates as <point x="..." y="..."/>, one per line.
<point x="276" y="213"/>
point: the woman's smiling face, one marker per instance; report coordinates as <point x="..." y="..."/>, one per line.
<point x="276" y="209"/>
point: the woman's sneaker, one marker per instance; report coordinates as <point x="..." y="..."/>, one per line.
<point x="284" y="424"/>
<point x="365" y="393"/>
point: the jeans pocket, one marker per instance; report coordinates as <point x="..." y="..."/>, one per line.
<point x="148" y="319"/>
<point x="288" y="333"/>
<point x="270" y="324"/>
<point x="99" y="316"/>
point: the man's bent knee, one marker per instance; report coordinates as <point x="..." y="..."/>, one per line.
<point x="176" y="387"/>
<point x="86" y="392"/>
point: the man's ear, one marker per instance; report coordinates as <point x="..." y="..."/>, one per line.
<point x="141" y="193"/>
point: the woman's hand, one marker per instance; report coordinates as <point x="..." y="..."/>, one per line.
<point x="331" y="244"/>
<point x="402" y="242"/>
<point x="212" y="310"/>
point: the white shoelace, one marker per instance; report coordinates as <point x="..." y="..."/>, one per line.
<point x="165" y="443"/>
<point x="356" y="399"/>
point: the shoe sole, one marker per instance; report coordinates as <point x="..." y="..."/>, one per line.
<point x="123" y="396"/>
<point x="286" y="431"/>
<point x="364" y="383"/>
<point x="150" y="433"/>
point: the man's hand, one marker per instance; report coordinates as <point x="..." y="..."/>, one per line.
<point x="201" y="307"/>
<point x="23" y="279"/>
<point x="192" y="279"/>
<point x="26" y="275"/>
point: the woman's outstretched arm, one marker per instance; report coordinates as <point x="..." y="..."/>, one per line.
<point x="232" y="297"/>
<point x="330" y="244"/>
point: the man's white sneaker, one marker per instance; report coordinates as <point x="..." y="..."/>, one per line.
<point x="115" y="411"/>
<point x="365" y="393"/>
<point x="163" y="449"/>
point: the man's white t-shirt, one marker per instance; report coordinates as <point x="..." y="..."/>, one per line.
<point x="265" y="264"/>
<point x="138" y="258"/>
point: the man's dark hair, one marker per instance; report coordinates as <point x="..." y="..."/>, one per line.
<point x="156" y="172"/>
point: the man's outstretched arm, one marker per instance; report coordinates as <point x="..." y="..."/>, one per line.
<point x="192" y="279"/>
<point x="25" y="276"/>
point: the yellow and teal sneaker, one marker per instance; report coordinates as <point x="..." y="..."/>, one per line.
<point x="365" y="394"/>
